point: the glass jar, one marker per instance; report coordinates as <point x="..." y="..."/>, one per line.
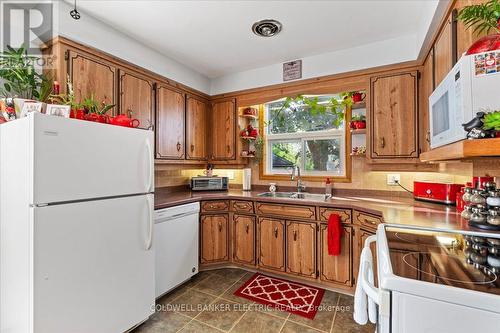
<point x="493" y="198"/>
<point x="477" y="198"/>
<point x="477" y="216"/>
<point x="467" y="194"/>
<point x="466" y="213"/>
<point x="493" y="217"/>
<point x="272" y="187"/>
<point x="490" y="186"/>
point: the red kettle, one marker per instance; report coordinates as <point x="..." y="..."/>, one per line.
<point x="123" y="120"/>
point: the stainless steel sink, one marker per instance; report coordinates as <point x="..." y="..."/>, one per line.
<point x="294" y="195"/>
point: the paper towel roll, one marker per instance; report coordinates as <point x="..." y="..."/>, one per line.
<point x="247" y="179"/>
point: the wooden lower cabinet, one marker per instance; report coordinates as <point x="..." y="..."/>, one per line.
<point x="301" y="248"/>
<point x="271" y="233"/>
<point x="336" y="269"/>
<point x="360" y="236"/>
<point x="244" y="239"/>
<point x="401" y="261"/>
<point x="214" y="234"/>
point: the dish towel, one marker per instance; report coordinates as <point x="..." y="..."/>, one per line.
<point x="364" y="308"/>
<point x="334" y="230"/>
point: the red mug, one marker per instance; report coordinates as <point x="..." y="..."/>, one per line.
<point x="358" y="97"/>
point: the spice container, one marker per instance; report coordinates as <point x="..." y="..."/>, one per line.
<point x="477" y="198"/>
<point x="493" y="217"/>
<point x="477" y="215"/>
<point x="493" y="198"/>
<point x="466" y="213"/>
<point x="467" y="195"/>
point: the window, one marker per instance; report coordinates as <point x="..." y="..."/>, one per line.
<point x="298" y="134"/>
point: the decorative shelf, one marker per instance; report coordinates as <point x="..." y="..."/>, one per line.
<point x="358" y="155"/>
<point x="248" y="137"/>
<point x="248" y="116"/>
<point x="361" y="105"/>
<point x="465" y="149"/>
<point x="358" y="131"/>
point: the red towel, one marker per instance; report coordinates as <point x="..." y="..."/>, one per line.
<point x="334" y="234"/>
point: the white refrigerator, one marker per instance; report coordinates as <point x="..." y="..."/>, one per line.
<point x="76" y="218"/>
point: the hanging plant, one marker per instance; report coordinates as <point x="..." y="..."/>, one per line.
<point x="483" y="17"/>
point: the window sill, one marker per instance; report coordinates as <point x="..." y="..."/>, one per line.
<point x="335" y="179"/>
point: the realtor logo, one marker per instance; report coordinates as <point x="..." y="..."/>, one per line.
<point x="27" y="23"/>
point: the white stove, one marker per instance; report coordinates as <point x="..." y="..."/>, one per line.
<point x="435" y="281"/>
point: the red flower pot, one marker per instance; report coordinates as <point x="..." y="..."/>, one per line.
<point x="485" y="44"/>
<point x="77" y="114"/>
<point x="360" y="124"/>
<point x="358" y="97"/>
<point x="92" y="117"/>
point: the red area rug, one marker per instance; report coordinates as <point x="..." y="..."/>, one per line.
<point x="284" y="295"/>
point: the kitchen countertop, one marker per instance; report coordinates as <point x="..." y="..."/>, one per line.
<point x="394" y="210"/>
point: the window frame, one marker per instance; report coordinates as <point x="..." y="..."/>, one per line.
<point x="342" y="134"/>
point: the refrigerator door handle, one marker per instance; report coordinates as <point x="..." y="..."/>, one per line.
<point x="149" y="150"/>
<point x="149" y="241"/>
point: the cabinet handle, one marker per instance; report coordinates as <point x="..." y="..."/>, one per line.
<point x="428" y="136"/>
<point x="240" y="205"/>
<point x="382" y="142"/>
<point x="276" y="232"/>
<point x="295" y="235"/>
<point x="369" y="222"/>
<point x="220" y="226"/>
<point x="192" y="148"/>
<point x="178" y="146"/>
<point x="247" y="228"/>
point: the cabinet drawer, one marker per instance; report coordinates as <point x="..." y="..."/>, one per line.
<point x="345" y="214"/>
<point x="241" y="206"/>
<point x="367" y="220"/>
<point x="295" y="211"/>
<point x="215" y="206"/>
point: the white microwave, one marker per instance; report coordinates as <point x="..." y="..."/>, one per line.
<point x="472" y="85"/>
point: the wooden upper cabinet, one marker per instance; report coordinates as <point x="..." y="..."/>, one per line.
<point x="336" y="269"/>
<point x="223" y="130"/>
<point x="169" y="123"/>
<point x="466" y="37"/>
<point x="393" y="116"/>
<point x="426" y="89"/>
<point x="271" y="243"/>
<point x="244" y="239"/>
<point x="137" y="97"/>
<point x="443" y="52"/>
<point x="196" y="129"/>
<point x="92" y="76"/>
<point x="301" y="248"/>
<point x="214" y="231"/>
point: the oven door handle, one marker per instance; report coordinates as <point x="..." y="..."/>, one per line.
<point x="371" y="291"/>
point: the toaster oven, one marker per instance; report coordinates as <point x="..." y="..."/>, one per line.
<point x="209" y="183"/>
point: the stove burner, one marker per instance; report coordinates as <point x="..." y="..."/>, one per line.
<point x="481" y="275"/>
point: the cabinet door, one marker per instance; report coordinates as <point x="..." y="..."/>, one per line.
<point x="169" y="123"/>
<point x="443" y="55"/>
<point x="393" y="116"/>
<point x="405" y="264"/>
<point x="244" y="239"/>
<point x="223" y="130"/>
<point x="301" y="248"/>
<point x="426" y="89"/>
<point x="214" y="238"/>
<point x="271" y="243"/>
<point x="336" y="269"/>
<point x="361" y="235"/>
<point x="196" y="129"/>
<point x="466" y="37"/>
<point x="92" y="76"/>
<point x="136" y="98"/>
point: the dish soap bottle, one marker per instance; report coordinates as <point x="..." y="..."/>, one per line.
<point x="328" y="188"/>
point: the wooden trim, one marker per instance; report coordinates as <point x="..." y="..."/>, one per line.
<point x="454" y="36"/>
<point x="465" y="149"/>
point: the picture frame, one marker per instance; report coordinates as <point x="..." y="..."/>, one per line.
<point x="29" y="107"/>
<point x="58" y="110"/>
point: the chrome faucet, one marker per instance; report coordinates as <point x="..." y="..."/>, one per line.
<point x="300" y="186"/>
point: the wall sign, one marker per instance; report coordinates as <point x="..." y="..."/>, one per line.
<point x="292" y="70"/>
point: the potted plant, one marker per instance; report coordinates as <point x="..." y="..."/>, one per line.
<point x="358" y="122"/>
<point x="96" y="111"/>
<point x="77" y="110"/>
<point x="491" y="122"/>
<point x="20" y="79"/>
<point x="483" y="17"/>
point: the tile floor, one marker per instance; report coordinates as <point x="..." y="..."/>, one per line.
<point x="206" y="304"/>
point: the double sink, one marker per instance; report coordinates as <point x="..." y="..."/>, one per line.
<point x="295" y="195"/>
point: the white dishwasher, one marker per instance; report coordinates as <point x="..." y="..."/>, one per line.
<point x="176" y="246"/>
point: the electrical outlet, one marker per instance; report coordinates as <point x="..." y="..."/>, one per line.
<point x="393" y="178"/>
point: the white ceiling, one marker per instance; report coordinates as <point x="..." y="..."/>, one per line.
<point x="215" y="37"/>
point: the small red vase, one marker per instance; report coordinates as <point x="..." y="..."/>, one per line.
<point x="485" y="44"/>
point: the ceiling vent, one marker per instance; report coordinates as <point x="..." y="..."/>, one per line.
<point x="266" y="28"/>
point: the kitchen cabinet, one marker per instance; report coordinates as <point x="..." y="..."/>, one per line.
<point x="405" y="264"/>
<point x="271" y="233"/>
<point x="301" y="248"/>
<point x="244" y="239"/>
<point x="196" y="129"/>
<point x="223" y="130"/>
<point x="336" y="269"/>
<point x="393" y="116"/>
<point x="92" y="76"/>
<point x="214" y="234"/>
<point x="466" y="37"/>
<point x="443" y="52"/>
<point x="137" y="97"/>
<point x="361" y="235"/>
<point x="426" y="89"/>
<point x="170" y="116"/>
